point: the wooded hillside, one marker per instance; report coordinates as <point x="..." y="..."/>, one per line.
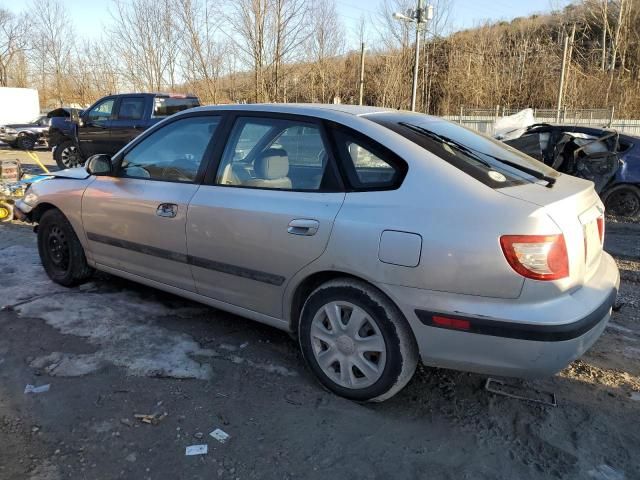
<point x="296" y="50"/>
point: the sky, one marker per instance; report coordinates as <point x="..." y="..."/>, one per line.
<point x="90" y="16"/>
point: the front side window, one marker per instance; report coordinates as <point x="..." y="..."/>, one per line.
<point x="131" y="108"/>
<point x="102" y="111"/>
<point x="274" y="154"/>
<point x="173" y="152"/>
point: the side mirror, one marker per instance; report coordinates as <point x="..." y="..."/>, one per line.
<point x="99" y="165"/>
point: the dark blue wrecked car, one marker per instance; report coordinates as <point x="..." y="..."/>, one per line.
<point x="609" y="159"/>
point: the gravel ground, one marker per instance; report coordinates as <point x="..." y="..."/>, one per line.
<point x="112" y="349"/>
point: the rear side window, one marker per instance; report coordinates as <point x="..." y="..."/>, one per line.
<point x="165" y="106"/>
<point x="131" y="108"/>
<point x="368" y="166"/>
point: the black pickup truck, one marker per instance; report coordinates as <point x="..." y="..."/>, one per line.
<point x="111" y="123"/>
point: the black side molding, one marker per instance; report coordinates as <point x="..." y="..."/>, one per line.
<point x="540" y="333"/>
<point x="229" y="269"/>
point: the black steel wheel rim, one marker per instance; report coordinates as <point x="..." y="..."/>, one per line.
<point x="58" y="248"/>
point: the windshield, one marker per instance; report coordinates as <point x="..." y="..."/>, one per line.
<point x="488" y="160"/>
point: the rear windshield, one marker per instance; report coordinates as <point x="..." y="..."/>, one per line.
<point x="165" y="106"/>
<point x="481" y="157"/>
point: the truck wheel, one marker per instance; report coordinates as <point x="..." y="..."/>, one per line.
<point x="25" y="142"/>
<point x="623" y="201"/>
<point x="60" y="250"/>
<point x="356" y="341"/>
<point x="67" y="155"/>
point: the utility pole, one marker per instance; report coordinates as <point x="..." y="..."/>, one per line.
<point x="605" y="22"/>
<point x="419" y="16"/>
<point x="564" y="65"/>
<point x="361" y="82"/>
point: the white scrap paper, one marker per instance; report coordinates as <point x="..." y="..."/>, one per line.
<point x="196" y="450"/>
<point x="33" y="389"/>
<point x="220" y="435"/>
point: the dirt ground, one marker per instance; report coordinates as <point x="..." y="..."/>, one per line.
<point x="112" y="349"/>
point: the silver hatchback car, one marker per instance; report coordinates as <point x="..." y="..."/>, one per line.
<point x="377" y="237"/>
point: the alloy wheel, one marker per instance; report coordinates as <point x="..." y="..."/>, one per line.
<point x="348" y="345"/>
<point x="69" y="156"/>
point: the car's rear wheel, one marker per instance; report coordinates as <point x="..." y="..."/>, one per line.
<point x="67" y="155"/>
<point x="623" y="201"/>
<point x="60" y="250"/>
<point x="25" y="142"/>
<point x="356" y="342"/>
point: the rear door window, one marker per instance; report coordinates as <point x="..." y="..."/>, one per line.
<point x="274" y="153"/>
<point x="131" y="108"/>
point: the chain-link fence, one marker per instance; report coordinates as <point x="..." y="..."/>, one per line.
<point x="482" y="119"/>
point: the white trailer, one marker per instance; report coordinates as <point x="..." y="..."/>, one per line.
<point x="18" y="105"/>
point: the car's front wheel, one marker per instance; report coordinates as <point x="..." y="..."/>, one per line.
<point x="67" y="155"/>
<point x="25" y="142"/>
<point x="356" y="342"/>
<point x="60" y="250"/>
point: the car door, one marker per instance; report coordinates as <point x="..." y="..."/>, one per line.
<point x="128" y="121"/>
<point x="135" y="220"/>
<point x="94" y="134"/>
<point x="266" y="212"/>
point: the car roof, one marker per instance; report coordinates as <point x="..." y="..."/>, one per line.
<point x="317" y="109"/>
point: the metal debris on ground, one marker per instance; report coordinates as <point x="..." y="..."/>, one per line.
<point x="196" y="450"/>
<point x="33" y="389"/>
<point x="220" y="435"/>
<point x="500" y="387"/>
<point x="152" y="419"/>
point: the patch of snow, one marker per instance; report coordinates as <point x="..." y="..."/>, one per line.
<point x="605" y="472"/>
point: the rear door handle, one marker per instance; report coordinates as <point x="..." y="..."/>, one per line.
<point x="303" y="226"/>
<point x="167" y="210"/>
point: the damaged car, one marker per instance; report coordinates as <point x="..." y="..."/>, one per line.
<point x="607" y="158"/>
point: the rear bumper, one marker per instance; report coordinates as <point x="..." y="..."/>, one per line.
<point x="505" y="337"/>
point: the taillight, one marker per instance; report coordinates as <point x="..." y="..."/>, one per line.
<point x="600" y="221"/>
<point x="540" y="257"/>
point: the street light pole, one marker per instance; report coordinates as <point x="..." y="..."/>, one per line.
<point x="416" y="63"/>
<point x="419" y="16"/>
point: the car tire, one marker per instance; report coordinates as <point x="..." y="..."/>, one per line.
<point x="623" y="201"/>
<point x="60" y="250"/>
<point x="67" y="155"/>
<point x="25" y="142"/>
<point x="327" y="347"/>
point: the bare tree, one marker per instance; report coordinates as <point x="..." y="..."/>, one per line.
<point x="13" y="41"/>
<point x="52" y="47"/>
<point x="326" y="42"/>
<point x="202" y="47"/>
<point x="248" y="18"/>
<point x="145" y="36"/>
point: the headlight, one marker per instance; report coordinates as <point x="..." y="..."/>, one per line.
<point x="10" y="130"/>
<point x="30" y="198"/>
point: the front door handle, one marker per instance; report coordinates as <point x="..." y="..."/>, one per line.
<point x="167" y="210"/>
<point x="303" y="226"/>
